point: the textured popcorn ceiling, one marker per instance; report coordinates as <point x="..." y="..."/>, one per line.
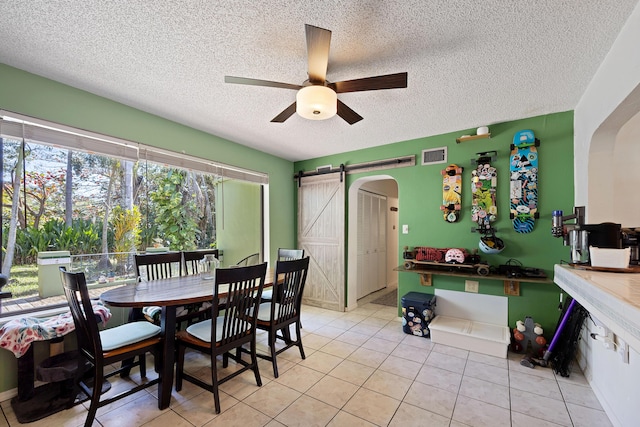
<point x="470" y="63"/>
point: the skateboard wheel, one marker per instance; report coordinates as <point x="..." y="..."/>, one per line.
<point x="408" y="265"/>
<point x="537" y="142"/>
<point x="512" y="147"/>
<point x="536" y="215"/>
<point x="483" y="270"/>
<point x="511" y="215"/>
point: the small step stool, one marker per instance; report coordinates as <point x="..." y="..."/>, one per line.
<point x="485" y="338"/>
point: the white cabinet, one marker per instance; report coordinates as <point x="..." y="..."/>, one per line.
<point x="372" y="243"/>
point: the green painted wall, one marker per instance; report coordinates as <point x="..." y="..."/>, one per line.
<point x="35" y="96"/>
<point x="420" y="197"/>
<point x="238" y="220"/>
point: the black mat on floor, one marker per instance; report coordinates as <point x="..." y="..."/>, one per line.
<point x="47" y="400"/>
<point x="390" y="299"/>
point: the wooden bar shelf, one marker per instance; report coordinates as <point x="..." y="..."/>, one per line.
<point x="511" y="284"/>
<point x="472" y="137"/>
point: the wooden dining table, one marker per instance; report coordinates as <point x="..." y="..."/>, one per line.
<point x="169" y="294"/>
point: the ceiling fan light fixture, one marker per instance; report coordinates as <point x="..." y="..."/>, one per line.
<point x="316" y="102"/>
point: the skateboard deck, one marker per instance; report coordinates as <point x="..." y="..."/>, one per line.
<point x="523" y="166"/>
<point x="484" y="179"/>
<point x="481" y="269"/>
<point x="451" y="192"/>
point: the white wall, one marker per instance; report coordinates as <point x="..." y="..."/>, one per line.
<point x="611" y="100"/>
<point x="626" y="158"/>
<point x="602" y="143"/>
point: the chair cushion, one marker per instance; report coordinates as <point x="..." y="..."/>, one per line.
<point x="126" y="334"/>
<point x="202" y="330"/>
<point x="264" y="312"/>
<point x="152" y="313"/>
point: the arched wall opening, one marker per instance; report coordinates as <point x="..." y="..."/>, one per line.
<point x="613" y="172"/>
<point x="387" y="186"/>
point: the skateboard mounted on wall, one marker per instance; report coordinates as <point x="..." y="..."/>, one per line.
<point x="451" y="192"/>
<point x="523" y="166"/>
<point x="484" y="180"/>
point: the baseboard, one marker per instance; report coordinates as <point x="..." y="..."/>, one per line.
<point x="9" y="394"/>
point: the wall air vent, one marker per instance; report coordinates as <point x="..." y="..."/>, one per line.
<point x="433" y="156"/>
<point x="324" y="169"/>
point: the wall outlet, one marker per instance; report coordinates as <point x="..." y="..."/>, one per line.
<point x="471" y="286"/>
<point x="405" y="229"/>
<point x="623" y="350"/>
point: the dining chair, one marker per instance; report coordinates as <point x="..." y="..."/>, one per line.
<point x="283" y="255"/>
<point x="252" y="259"/>
<point x="284" y="311"/>
<point x="163" y="265"/>
<point x="103" y="348"/>
<point x="227" y="330"/>
<point x="191" y="259"/>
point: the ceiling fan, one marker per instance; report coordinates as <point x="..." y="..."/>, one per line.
<point x="317" y="98"/>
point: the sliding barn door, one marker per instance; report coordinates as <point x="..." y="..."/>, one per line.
<point x="321" y="234"/>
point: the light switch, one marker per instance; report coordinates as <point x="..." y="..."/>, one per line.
<point x="405" y="229"/>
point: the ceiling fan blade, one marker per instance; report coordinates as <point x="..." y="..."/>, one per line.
<point x="388" y="81"/>
<point x="348" y="114"/>
<point x="318" y="42"/>
<point x="257" y="82"/>
<point x="288" y="112"/>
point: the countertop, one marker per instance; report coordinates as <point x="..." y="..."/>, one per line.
<point x="613" y="298"/>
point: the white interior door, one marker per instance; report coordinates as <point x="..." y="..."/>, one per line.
<point x="321" y="234"/>
<point x="372" y="243"/>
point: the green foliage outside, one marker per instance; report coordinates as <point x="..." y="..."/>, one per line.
<point x="126" y="228"/>
<point x="175" y="212"/>
<point x="173" y="207"/>
<point x="83" y="237"/>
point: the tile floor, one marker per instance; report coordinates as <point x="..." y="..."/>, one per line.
<point x="361" y="370"/>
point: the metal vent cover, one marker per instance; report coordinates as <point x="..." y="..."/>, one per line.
<point x="433" y="156"/>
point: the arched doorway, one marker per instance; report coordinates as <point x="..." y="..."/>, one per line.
<point x="382" y="185"/>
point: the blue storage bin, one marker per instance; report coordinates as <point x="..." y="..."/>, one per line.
<point x="418" y="310"/>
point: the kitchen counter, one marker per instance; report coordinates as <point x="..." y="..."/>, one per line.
<point x="613" y="298"/>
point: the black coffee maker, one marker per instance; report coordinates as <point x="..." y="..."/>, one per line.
<point x="580" y="236"/>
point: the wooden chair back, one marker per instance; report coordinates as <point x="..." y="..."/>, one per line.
<point x="290" y="254"/>
<point x="152" y="266"/>
<point x="252" y="259"/>
<point x="288" y="289"/>
<point x="87" y="331"/>
<point x="192" y="259"/>
<point x="245" y="285"/>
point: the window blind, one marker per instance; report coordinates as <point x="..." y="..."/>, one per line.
<point x="17" y="126"/>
